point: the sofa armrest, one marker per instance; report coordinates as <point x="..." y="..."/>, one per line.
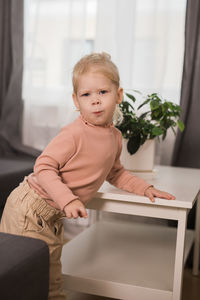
<point x="24" y="268"/>
<point x="12" y="172"/>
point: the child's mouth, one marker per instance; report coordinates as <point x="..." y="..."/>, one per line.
<point x="98" y="112"/>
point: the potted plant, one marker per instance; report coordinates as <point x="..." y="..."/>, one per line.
<point x="143" y="123"/>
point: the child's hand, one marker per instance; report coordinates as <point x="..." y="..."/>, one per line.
<point x="75" y="209"/>
<point x="151" y="192"/>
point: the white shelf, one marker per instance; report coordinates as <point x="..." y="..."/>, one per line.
<point x="183" y="183"/>
<point x="119" y="259"/>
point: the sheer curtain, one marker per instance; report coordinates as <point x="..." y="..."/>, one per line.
<point x="57" y="34"/>
<point x="146" y="40"/>
<point x="144" y="37"/>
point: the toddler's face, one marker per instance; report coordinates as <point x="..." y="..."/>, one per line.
<point x="97" y="97"/>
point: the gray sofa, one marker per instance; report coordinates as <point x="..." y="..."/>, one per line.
<point x="12" y="171"/>
<point x="24" y="262"/>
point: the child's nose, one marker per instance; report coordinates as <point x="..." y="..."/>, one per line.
<point x="96" y="100"/>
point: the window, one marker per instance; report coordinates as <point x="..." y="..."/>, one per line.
<point x="57" y="34"/>
<point x="144" y="37"/>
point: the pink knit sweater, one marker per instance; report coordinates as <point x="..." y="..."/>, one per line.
<point x="76" y="163"/>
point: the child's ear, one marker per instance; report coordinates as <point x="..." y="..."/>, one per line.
<point x="120" y="95"/>
<point x="75" y="101"/>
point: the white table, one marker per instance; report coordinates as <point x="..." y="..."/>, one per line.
<point x="130" y="261"/>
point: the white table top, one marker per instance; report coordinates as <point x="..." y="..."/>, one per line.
<point x="183" y="183"/>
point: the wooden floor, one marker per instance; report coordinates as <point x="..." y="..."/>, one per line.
<point x="191" y="286"/>
<point x="191" y="289"/>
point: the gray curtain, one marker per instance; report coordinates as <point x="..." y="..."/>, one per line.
<point x="187" y="145"/>
<point x="11" y="69"/>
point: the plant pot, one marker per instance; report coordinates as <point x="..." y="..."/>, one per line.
<point x="142" y="160"/>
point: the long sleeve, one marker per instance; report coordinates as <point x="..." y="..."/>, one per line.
<point x="123" y="179"/>
<point x="76" y="163"/>
<point x="48" y="165"/>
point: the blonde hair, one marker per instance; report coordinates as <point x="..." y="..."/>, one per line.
<point x="103" y="63"/>
<point x="100" y="61"/>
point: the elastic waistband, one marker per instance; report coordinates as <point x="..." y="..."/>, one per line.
<point x="38" y="204"/>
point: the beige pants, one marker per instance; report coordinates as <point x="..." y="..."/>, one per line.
<point x="27" y="214"/>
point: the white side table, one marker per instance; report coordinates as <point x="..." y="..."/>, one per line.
<point x="126" y="260"/>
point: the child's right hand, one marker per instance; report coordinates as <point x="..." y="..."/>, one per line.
<point x="75" y="209"/>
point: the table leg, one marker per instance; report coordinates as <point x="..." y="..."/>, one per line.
<point x="179" y="256"/>
<point x="195" y="270"/>
<point x="95" y="216"/>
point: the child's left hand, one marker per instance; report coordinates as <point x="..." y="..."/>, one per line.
<point x="151" y="192"/>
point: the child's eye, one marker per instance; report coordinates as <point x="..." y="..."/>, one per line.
<point x="103" y="92"/>
<point x="85" y="95"/>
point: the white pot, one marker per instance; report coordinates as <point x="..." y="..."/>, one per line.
<point x="142" y="160"/>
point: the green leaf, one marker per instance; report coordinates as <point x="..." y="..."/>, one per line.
<point x="133" y="144"/>
<point x="144" y="115"/>
<point x="125" y="106"/>
<point x="164" y="135"/>
<point x="157" y="131"/>
<point x="173" y="130"/>
<point x="130" y="97"/>
<point x="136" y="91"/>
<point x="180" y="125"/>
<point x="154" y="104"/>
<point x="144" y="103"/>
<point x="170" y="105"/>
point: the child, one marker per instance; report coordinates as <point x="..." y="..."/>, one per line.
<point x="74" y="165"/>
